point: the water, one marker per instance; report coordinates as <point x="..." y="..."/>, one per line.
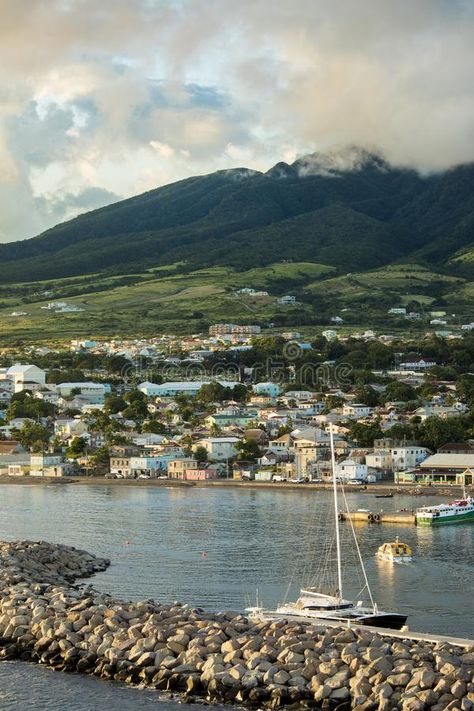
<point x="213" y="547"/>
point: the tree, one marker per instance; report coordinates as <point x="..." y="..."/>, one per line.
<point x="23" y="404"/>
<point x="33" y="436"/>
<point x="365" y="435"/>
<point x="154" y="426"/>
<point x="397" y="391"/>
<point x="367" y="396"/>
<point x="465" y="388"/>
<point x="100" y="459"/>
<point x="77" y="447"/>
<point x="114" y="404"/>
<point x="248" y="449"/>
<point x="213" y="392"/>
<point x="436" y="431"/>
<point x="200" y="454"/>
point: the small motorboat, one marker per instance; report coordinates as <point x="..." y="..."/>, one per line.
<point x="395" y="552"/>
<point x="384" y="496"/>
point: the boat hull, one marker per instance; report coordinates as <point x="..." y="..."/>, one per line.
<point x="444" y="520"/>
<point x="389" y="620"/>
<point x="395" y="559"/>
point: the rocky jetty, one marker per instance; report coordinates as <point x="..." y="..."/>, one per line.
<point x="224" y="657"/>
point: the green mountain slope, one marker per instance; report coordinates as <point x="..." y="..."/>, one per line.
<point x="234" y="214"/>
<point x="341" y="231"/>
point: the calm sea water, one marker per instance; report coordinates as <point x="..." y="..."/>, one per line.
<point x="214" y="548"/>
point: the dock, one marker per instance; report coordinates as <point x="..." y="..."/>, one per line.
<point x="402" y="518"/>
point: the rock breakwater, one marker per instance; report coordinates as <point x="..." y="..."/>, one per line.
<point x="221" y="657"/>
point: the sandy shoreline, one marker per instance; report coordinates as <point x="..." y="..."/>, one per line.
<point x="372" y="489"/>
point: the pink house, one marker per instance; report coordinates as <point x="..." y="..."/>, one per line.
<point x="201" y="473"/>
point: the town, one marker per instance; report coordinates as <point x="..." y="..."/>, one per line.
<point x="241" y="404"/>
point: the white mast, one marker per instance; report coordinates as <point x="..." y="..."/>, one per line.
<point x="336" y="513"/>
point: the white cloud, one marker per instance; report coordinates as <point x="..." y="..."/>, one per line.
<point x="121" y="97"/>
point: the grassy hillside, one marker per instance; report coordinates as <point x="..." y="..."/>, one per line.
<point x="165" y="300"/>
<point x="361" y="239"/>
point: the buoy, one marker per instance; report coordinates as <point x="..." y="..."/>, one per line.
<point x="127" y="543"/>
<point x="203" y="554"/>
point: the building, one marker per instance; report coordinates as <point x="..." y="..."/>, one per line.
<point x="417" y="364"/>
<point x="177" y="467"/>
<point x="219" y="329"/>
<point x="350" y="469"/>
<point x="94" y="392"/>
<point x="270" y="389"/>
<point x="407" y="456"/>
<point x="356" y="410"/>
<point x="174" y="388"/>
<point x="218" y="448"/>
<point x="454" y="448"/>
<point x="50" y="465"/>
<point x="24" y="377"/>
<point x="447" y="469"/>
<point x="148" y="465"/>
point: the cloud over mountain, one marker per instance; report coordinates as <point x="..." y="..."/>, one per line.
<point x="110" y="99"/>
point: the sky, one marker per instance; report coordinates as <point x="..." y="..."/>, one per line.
<point x="103" y="100"/>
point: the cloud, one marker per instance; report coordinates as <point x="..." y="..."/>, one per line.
<point x="103" y="100"/>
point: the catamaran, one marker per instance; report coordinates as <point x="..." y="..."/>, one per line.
<point x="457" y="511"/>
<point x="313" y="604"/>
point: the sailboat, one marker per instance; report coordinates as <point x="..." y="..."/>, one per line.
<point x="314" y="604"/>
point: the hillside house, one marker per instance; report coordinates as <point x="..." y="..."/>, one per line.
<point x="218" y="448"/>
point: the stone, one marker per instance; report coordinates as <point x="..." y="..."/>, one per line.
<point x="338" y="680"/>
<point x="340" y="694"/>
<point x="281" y="677"/>
<point x="398" y="679"/>
<point x="458" y="689"/>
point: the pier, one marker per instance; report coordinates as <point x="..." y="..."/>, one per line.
<point x="222" y="657"/>
<point x="402" y="518"/>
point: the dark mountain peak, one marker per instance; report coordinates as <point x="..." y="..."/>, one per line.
<point x="282" y="170"/>
<point x="339" y="160"/>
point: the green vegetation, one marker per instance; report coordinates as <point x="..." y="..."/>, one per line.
<point x="172" y="259"/>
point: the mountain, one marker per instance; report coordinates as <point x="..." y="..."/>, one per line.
<point x="313" y="210"/>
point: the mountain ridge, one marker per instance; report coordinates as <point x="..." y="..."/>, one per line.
<point x="241" y="217"/>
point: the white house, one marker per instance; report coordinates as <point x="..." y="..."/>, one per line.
<point x="356" y="410"/>
<point x="418" y="364"/>
<point x="218" y="448"/>
<point x="24" y="376"/>
<point x="146" y="465"/>
<point x="407" y="456"/>
<point x="350" y="469"/>
<point x="330" y="335"/>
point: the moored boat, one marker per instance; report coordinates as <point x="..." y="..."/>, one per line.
<point x="458" y="511"/>
<point x="313" y="604"/>
<point x="395" y="552"/>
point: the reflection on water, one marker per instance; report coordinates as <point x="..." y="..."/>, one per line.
<point x="214" y="547"/>
<point x="29" y="687"/>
